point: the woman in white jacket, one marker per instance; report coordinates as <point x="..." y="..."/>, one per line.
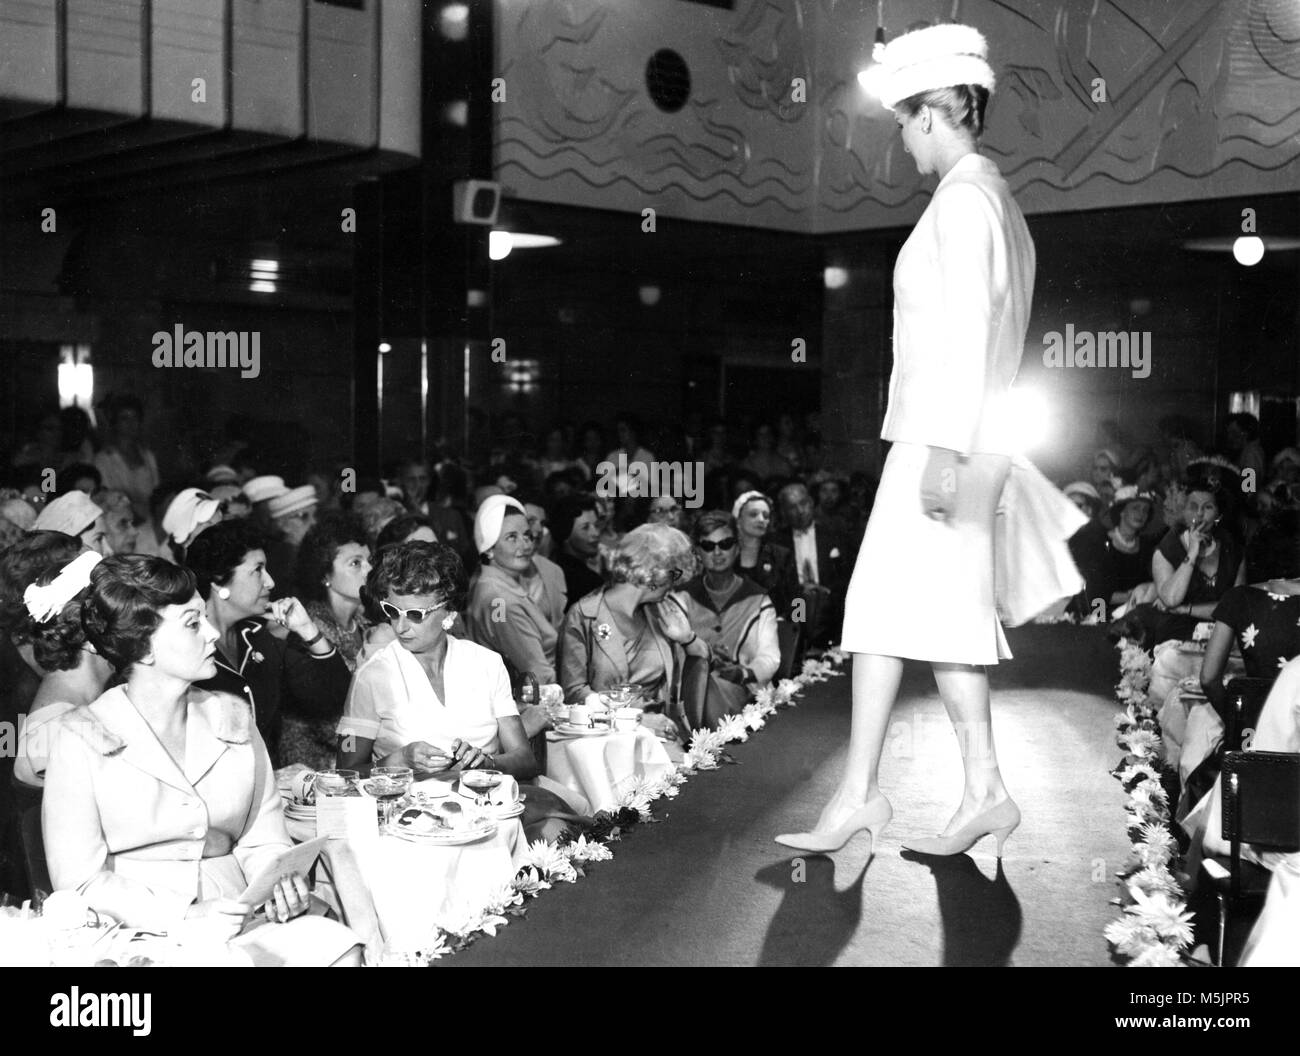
<point x="963" y="284"/>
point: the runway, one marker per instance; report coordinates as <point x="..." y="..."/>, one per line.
<point x="708" y="886"/>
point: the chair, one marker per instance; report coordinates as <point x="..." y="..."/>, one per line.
<point x="788" y="637"/>
<point x="1261" y="806"/>
<point x="1245" y="700"/>
<point x="38" y="875"/>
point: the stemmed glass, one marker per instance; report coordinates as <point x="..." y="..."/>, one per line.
<point x="388" y="784"/>
<point x="482" y="782"/>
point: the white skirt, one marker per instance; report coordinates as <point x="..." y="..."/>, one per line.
<point x="923" y="589"/>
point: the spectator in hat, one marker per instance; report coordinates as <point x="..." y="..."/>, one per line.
<point x="74" y="514"/>
<point x="260" y="491"/>
<point x="188" y="514"/>
<point x="292" y="514"/>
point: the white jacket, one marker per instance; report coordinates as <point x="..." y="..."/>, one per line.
<point x="963" y="286"/>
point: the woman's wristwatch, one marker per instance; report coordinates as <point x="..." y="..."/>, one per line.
<point x="309" y="642"/>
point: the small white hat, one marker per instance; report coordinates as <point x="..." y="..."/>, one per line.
<point x="295" y="501"/>
<point x="186" y="512"/>
<point x="1082" y="487"/>
<point x="259" y="489"/>
<point x="934" y="57"/>
<point x="488" y="520"/>
<point x="72" y="514"/>
<point x="222" y="474"/>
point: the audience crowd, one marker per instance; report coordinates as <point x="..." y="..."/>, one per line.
<point x="338" y="608"/>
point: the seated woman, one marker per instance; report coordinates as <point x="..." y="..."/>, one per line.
<point x="732" y="616"/>
<point x="576" y="527"/>
<point x="501" y="614"/>
<point x="303" y="675"/>
<point x="626" y="633"/>
<point x="333" y="563"/>
<point x="160" y="802"/>
<point x="1193" y="568"/>
<point x="407" y="528"/>
<point x="1115" y="563"/>
<point x="436" y="703"/>
<point x="1263" y="621"/>
<point x="767" y="565"/>
<point x="51" y="573"/>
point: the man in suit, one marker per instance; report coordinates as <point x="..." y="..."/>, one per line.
<point x="823" y="560"/>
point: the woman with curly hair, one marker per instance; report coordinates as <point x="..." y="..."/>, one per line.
<point x="50" y="573"/>
<point x="270" y="652"/>
<point x="433" y="702"/>
<point x="633" y="632"/>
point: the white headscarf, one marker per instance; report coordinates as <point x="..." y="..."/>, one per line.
<point x="488" y="520"/>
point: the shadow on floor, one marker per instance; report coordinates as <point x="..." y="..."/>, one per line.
<point x="982" y="919"/>
<point x="814" y="922"/>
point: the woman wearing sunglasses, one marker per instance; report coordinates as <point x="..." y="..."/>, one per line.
<point x="732" y="616"/>
<point x="428" y="700"/>
<point x="433" y="702"/>
<point x="269" y="652"/>
<point x="501" y="615"/>
<point x="633" y="631"/>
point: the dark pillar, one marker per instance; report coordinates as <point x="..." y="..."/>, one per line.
<point x="857" y="326"/>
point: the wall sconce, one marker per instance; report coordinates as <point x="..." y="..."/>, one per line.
<point x="522" y="374"/>
<point x="76" y="378"/>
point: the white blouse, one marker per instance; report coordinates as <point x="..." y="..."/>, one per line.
<point x="392" y="701"/>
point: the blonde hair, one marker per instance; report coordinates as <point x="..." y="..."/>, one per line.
<point x="650" y="549"/>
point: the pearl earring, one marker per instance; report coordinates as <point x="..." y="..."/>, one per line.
<point x="224" y="593"/>
<point x="448" y="621"/>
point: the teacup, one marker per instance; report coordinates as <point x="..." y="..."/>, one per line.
<point x="579" y="715"/>
<point x="626" y="720"/>
<point x="335" y="782"/>
<point x="303" y="787"/>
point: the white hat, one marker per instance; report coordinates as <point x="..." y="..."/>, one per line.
<point x="20" y="512"/>
<point x="488" y="520"/>
<point x="222" y="474"/>
<point x="259" y="489"/>
<point x="934" y="57"/>
<point x="191" y="508"/>
<point x="295" y="501"/>
<point x="72" y="514"/>
<point x="744" y="500"/>
<point x="1082" y="487"/>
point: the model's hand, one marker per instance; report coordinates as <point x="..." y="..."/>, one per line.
<point x="939" y="484"/>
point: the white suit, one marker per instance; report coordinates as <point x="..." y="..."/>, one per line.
<point x="963" y="284"/>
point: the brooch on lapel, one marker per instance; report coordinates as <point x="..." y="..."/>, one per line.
<point x="767" y="567"/>
<point x="257" y="657"/>
<point x="835" y="552"/>
<point x="603" y="631"/>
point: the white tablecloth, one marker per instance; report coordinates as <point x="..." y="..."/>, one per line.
<point x="413" y="886"/>
<point x="602" y="768"/>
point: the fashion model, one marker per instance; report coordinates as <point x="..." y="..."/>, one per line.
<point x="963" y="284"/>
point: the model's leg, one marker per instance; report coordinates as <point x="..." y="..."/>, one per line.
<point x="857" y="803"/>
<point x="965" y="692"/>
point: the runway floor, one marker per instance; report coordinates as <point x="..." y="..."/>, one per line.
<point x="709" y="887"/>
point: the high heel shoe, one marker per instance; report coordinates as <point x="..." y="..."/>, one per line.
<point x="999" y="821"/>
<point x="873" y="816"/>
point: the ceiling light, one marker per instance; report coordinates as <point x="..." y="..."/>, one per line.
<point x="836" y="278"/>
<point x="1248" y="249"/>
<point x="500" y="243"/>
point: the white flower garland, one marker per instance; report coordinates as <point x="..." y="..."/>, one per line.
<point x="1156" y="927"/>
<point x="547" y="864"/>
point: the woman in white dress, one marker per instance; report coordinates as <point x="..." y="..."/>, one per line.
<point x="963" y="284"/>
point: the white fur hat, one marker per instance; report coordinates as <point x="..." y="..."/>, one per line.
<point x="487" y="522"/>
<point x="934" y="57"/>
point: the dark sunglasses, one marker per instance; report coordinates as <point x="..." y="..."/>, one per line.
<point x="414" y="616"/>
<point x="708" y="545"/>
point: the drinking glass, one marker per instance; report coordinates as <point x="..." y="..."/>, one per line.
<point x="388" y="784"/>
<point x="482" y="782"/>
<point x="335" y="782"/>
